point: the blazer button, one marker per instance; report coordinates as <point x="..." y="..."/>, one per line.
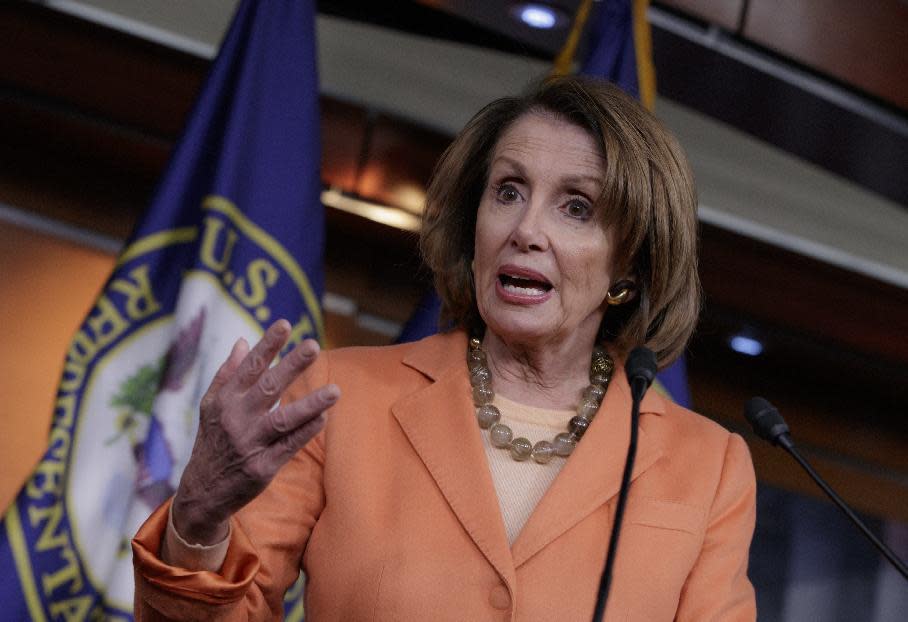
<point x="499" y="597"/>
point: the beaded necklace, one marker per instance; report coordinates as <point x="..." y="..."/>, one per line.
<point x="601" y="367"/>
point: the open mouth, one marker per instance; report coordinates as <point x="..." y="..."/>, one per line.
<point x="524" y="285"/>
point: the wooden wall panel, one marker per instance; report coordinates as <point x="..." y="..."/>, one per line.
<point x="862" y="43"/>
<point x="723" y="13"/>
<point x="770" y="285"/>
<point x="47" y="287"/>
<point x="343" y="131"/>
<point x="129" y="81"/>
<point x="399" y="163"/>
<point x="854" y="439"/>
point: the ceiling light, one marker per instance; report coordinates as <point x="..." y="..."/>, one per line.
<point x="538" y="15"/>
<point x="376" y="212"/>
<point x="745" y="345"/>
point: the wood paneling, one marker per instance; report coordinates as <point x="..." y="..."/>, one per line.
<point x="399" y="162"/>
<point x="768" y="284"/>
<point x="861" y="43"/>
<point x="724" y="13"/>
<point x="97" y="70"/>
<point x="855" y="437"/>
<point x="343" y="128"/>
<point x="782" y="114"/>
<point x="47" y="287"/>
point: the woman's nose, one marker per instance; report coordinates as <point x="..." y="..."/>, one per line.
<point x="529" y="230"/>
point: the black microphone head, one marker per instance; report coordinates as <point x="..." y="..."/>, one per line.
<point x="765" y="420"/>
<point x="640" y="368"/>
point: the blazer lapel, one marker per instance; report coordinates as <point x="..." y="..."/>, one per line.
<point x="438" y="420"/>
<point x="592" y="475"/>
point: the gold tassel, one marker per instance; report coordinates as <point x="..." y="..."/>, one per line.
<point x="643" y="50"/>
<point x="565" y="58"/>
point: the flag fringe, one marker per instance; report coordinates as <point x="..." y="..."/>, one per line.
<point x="565" y="59"/>
<point x="643" y="50"/>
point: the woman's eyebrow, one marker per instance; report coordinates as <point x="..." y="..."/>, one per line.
<point x="514" y="164"/>
<point x="595" y="180"/>
<point x="574" y="181"/>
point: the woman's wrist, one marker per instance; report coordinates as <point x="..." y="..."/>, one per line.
<point x="195" y="524"/>
<point x="175" y="551"/>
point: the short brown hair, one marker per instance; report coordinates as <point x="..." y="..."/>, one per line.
<point x="648" y="197"/>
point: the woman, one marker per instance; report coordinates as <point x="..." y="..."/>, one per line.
<point x="473" y="475"/>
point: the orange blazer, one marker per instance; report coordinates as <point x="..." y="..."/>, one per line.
<point x="392" y="514"/>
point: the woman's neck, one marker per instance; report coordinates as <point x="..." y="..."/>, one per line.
<point x="551" y="375"/>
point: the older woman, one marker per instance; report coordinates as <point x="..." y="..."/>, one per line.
<point x="473" y="475"/>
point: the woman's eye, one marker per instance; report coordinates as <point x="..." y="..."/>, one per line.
<point x="507" y="193"/>
<point x="578" y="209"/>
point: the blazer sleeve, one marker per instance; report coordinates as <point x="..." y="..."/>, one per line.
<point x="268" y="538"/>
<point x="718" y="588"/>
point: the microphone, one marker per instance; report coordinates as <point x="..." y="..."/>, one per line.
<point x="769" y="425"/>
<point x="640" y="369"/>
<point x="767" y="422"/>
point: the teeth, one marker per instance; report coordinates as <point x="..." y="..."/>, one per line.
<point x="523" y="291"/>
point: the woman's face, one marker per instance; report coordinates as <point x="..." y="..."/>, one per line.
<point x="543" y="260"/>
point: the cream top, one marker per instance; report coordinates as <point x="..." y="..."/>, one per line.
<point x="520" y="485"/>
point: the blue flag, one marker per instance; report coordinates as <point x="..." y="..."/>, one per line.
<point x="612" y="54"/>
<point x="232" y="241"/>
<point x="424" y="321"/>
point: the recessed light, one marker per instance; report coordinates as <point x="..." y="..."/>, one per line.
<point x="537" y="15"/>
<point x="745" y="345"/>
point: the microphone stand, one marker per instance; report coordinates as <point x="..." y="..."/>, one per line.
<point x="640" y="368"/>
<point x="785" y="441"/>
<point x="605" y="581"/>
<point x="771" y="427"/>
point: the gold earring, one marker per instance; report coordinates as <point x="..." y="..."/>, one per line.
<point x="617" y="299"/>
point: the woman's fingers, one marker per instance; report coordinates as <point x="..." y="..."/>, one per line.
<point x="259" y="358"/>
<point x="291" y="443"/>
<point x="281" y="433"/>
<point x="271" y="384"/>
<point x="225" y="372"/>
<point x="284" y="422"/>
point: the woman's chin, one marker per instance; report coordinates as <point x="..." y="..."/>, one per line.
<point x="523" y="333"/>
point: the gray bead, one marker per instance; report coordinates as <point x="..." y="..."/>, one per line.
<point x="601" y="361"/>
<point x="578" y="425"/>
<point x="500" y="435"/>
<point x="521" y="448"/>
<point x="600" y="379"/>
<point x="480" y="375"/>
<point x="475" y="357"/>
<point x="487" y="415"/>
<point x="483" y="394"/>
<point x="565" y="443"/>
<point x="601" y="367"/>
<point x="543" y="452"/>
<point x="594" y="392"/>
<point x="588" y="408"/>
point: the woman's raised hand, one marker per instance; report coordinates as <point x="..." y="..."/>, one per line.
<point x="242" y="440"/>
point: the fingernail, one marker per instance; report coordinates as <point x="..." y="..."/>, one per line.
<point x="309" y="347"/>
<point x="331" y="392"/>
